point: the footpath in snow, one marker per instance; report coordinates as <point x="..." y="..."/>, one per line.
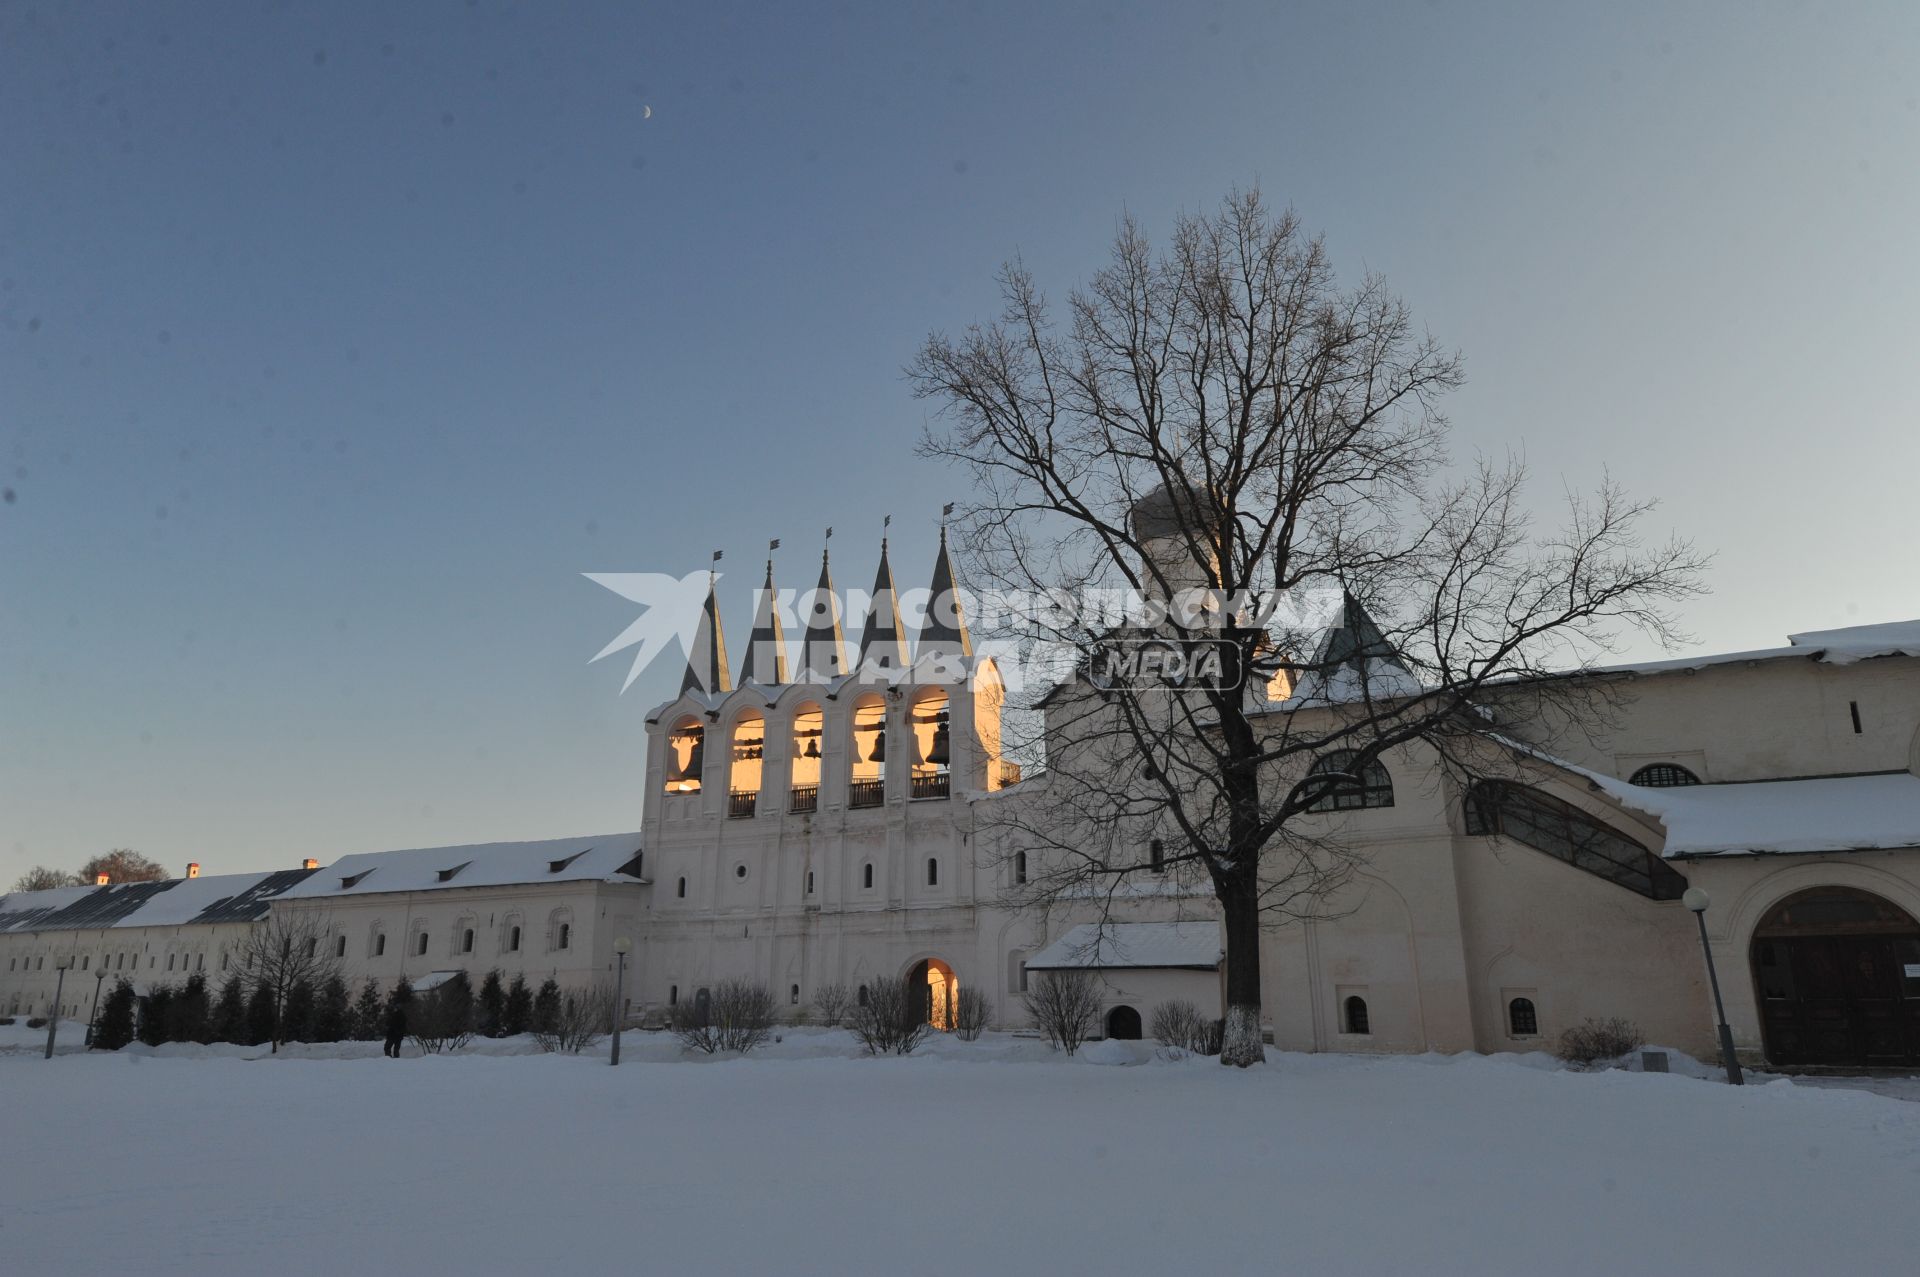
<point x="991" y="1157"/>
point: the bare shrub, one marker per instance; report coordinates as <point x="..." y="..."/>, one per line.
<point x="1178" y="1026"/>
<point x="971" y="1011"/>
<point x="1593" y="1041"/>
<point x="441" y="1019"/>
<point x="1064" y="1005"/>
<point x="580" y="1019"/>
<point x="892" y="1021"/>
<point x="830" y="1003"/>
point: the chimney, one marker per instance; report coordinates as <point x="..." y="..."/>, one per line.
<point x="193" y="869"/>
<point x="100" y="880"/>
<point x="309" y="863"/>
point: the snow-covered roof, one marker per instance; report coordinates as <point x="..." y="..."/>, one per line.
<point x="215" y="898"/>
<point x="597" y="859"/>
<point x="1838" y="813"/>
<point x="1830" y="647"/>
<point x="1118" y="945"/>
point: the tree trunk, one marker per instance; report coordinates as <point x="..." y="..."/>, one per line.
<point x="1239" y="893"/>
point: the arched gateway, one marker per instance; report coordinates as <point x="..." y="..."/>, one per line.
<point x="939" y="990"/>
<point x="1837" y="975"/>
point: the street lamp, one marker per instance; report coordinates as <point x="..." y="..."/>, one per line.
<point x="93" y="1018"/>
<point x="621" y="948"/>
<point x="53" y="1016"/>
<point x="1697" y="900"/>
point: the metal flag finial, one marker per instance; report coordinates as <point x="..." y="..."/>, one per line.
<point x="946" y="511"/>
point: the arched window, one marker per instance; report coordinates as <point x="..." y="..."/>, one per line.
<point x="748" y="754"/>
<point x="673" y="995"/>
<point x="1019" y="868"/>
<point x="559" y="929"/>
<point x="379" y="944"/>
<point x="1353" y="1016"/>
<point x="566" y="935"/>
<point x="793" y="995"/>
<point x="680" y="889"/>
<point x="420" y="944"/>
<point x="861" y="996"/>
<point x="466" y="940"/>
<point x="1157" y="856"/>
<point x="340" y="945"/>
<point x="933" y="872"/>
<point x="1367" y="786"/>
<point x="928" y="720"/>
<point x="809" y="882"/>
<point x="513" y="938"/>
<point x="866" y="875"/>
<point x="1568" y="834"/>
<point x="1663" y="776"/>
<point x="869" y="764"/>
<point x="1522" y="1020"/>
<point x="808" y="742"/>
<point x="686" y="756"/>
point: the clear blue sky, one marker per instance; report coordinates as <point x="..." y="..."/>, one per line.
<point x="336" y="340"/>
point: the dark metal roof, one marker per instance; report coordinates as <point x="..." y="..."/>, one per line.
<point x="251" y="904"/>
<point x="101" y="907"/>
<point x="110" y="906"/>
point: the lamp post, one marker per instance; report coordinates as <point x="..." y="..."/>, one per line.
<point x="53" y="1015"/>
<point x="621" y="948"/>
<point x="1697" y="900"/>
<point x="93" y="1017"/>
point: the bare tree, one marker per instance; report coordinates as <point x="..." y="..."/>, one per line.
<point x="893" y="1019"/>
<point x="122" y="864"/>
<point x="1064" y="1005"/>
<point x="580" y="1019"/>
<point x="1224" y="436"/>
<point x="830" y="1002"/>
<point x="41" y="878"/>
<point x="287" y="949"/>
<point x="971" y="1011"/>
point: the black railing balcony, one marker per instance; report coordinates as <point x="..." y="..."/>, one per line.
<point x="934" y="786"/>
<point x="866" y="793"/>
<point x="804" y="798"/>
<point x="741" y="802"/>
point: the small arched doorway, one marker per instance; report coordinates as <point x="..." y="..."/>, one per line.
<point x="938" y="989"/>
<point x="1836" y="973"/>
<point x="1124" y="1023"/>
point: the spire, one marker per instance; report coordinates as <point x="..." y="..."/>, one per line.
<point x="945" y="631"/>
<point x="707" y="655"/>
<point x="883" y="641"/>
<point x="766" y="661"/>
<point x="1355" y="662"/>
<point x="823" y="652"/>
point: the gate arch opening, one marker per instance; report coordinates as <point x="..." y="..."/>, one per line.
<point x="1123" y="1022"/>
<point x="938" y="989"/>
<point x="1836" y="975"/>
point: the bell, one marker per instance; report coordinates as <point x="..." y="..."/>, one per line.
<point x="813" y="748"/>
<point x="697" y="760"/>
<point x="938" y="753"/>
<point x="879" y="754"/>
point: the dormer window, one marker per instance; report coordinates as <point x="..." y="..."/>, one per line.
<point x="446" y="875"/>
<point x="555" y="866"/>
<point x="350" y="881"/>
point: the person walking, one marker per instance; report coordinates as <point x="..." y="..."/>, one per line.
<point x="396" y="1031"/>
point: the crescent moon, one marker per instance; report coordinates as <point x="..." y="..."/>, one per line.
<point x="646" y="113"/>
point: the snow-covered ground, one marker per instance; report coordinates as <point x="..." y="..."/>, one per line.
<point x="993" y="1157"/>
